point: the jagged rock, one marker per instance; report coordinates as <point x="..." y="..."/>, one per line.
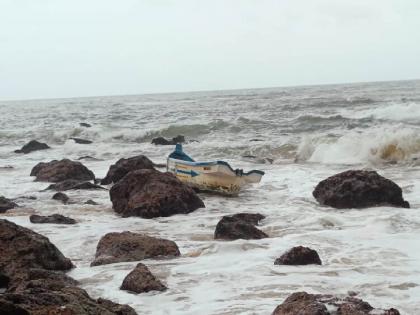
<point x="239" y="226"/>
<point x="22" y="248"/>
<point x="299" y="255"/>
<point x="302" y="303"/>
<point x="359" y="189"/>
<point x="54" y="218"/>
<point x="141" y="280"/>
<point x="72" y="184"/>
<point x="124" y="166"/>
<point x="91" y="202"/>
<point x="61" y="197"/>
<point x="127" y="246"/>
<point x="6" y="204"/>
<point x="150" y="193"/>
<point x="81" y="141"/>
<point x="31" y="146"/>
<point x="83" y="124"/>
<point x="58" y="171"/>
<point x="173" y="141"/>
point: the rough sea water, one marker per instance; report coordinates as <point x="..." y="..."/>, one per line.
<point x="298" y="136"/>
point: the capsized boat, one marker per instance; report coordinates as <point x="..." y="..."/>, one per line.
<point x="217" y="176"/>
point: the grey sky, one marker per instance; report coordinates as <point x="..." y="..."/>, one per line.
<point x="57" y="48"/>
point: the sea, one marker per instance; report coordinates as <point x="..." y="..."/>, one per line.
<point x="297" y="135"/>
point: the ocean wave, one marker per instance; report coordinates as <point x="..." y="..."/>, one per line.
<point x="377" y="145"/>
<point x="409" y="112"/>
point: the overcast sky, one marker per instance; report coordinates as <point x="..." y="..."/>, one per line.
<point x="66" y="48"/>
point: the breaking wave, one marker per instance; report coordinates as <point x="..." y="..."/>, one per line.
<point x="408" y="112"/>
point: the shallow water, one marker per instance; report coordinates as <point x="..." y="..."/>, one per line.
<point x="310" y="133"/>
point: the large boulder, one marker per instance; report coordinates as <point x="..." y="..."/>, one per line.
<point x="299" y="255"/>
<point x="150" y="193"/>
<point x="31" y="146"/>
<point x="359" y="189"/>
<point x="58" y="171"/>
<point x="239" y="226"/>
<point x="124" y="166"/>
<point x="72" y="184"/>
<point x="302" y="303"/>
<point x="128" y="246"/>
<point x="53" y="219"/>
<point x="6" y="204"/>
<point x="22" y="248"/>
<point x="141" y="280"/>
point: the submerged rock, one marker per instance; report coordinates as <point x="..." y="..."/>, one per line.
<point x="91" y="202"/>
<point x="141" y="280"/>
<point x="150" y="194"/>
<point x="6" y="204"/>
<point x="81" y="141"/>
<point x="239" y="226"/>
<point x="31" y="146"/>
<point x="127" y="246"/>
<point x="72" y="184"/>
<point x="23" y="248"/>
<point x="173" y="141"/>
<point x="61" y="197"/>
<point x="54" y="218"/>
<point x="124" y="166"/>
<point x="83" y="124"/>
<point x="302" y="303"/>
<point x="359" y="189"/>
<point x="58" y="171"/>
<point x="299" y="255"/>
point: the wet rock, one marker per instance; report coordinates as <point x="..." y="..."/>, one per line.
<point x="72" y="184"/>
<point x="54" y="218"/>
<point x="61" y="197"/>
<point x="141" y="280"/>
<point x="6" y="204"/>
<point x="150" y="194"/>
<point x="359" y="189"/>
<point x="124" y="166"/>
<point x="173" y="141"/>
<point x="31" y="146"/>
<point x="89" y="158"/>
<point x="127" y="246"/>
<point x="22" y="248"/>
<point x="302" y="303"/>
<point x="67" y="301"/>
<point x="299" y="255"/>
<point x="81" y="141"/>
<point x="239" y="226"/>
<point x="91" y="202"/>
<point x="58" y="171"/>
<point x="83" y="124"/>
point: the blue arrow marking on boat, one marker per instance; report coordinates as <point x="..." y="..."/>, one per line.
<point x="192" y="173"/>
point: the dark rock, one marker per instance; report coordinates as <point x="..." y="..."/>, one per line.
<point x="55" y="219"/>
<point x="118" y="309"/>
<point x="88" y="157"/>
<point x="91" y="202"/>
<point x="239" y="226"/>
<point x="81" y="141"/>
<point x="58" y="171"/>
<point x="72" y="184"/>
<point x="173" y="141"/>
<point x="124" y="166"/>
<point x="83" y="124"/>
<point x="150" y="193"/>
<point x="141" y="280"/>
<point x="10" y="308"/>
<point x="6" y="204"/>
<point x="61" y="197"/>
<point x="22" y="248"/>
<point x="127" y="246"/>
<point x="31" y="146"/>
<point x="302" y="303"/>
<point x="299" y="255"/>
<point x="359" y="189"/>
